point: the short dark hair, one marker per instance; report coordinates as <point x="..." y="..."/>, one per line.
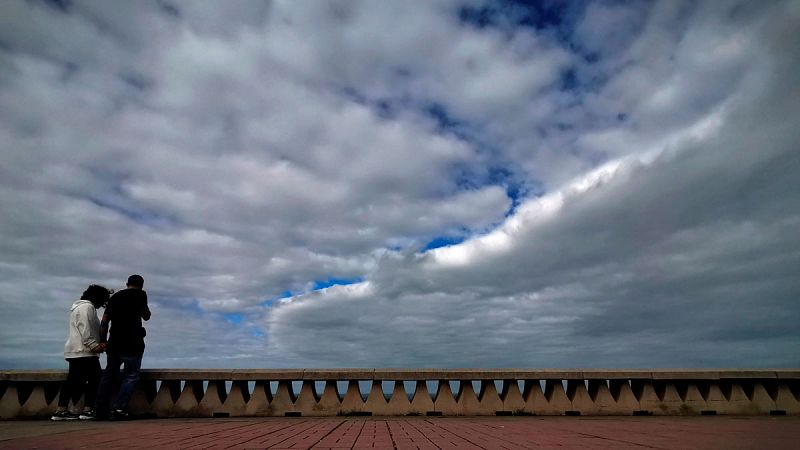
<point x="97" y="294"/>
<point x="136" y="280"/>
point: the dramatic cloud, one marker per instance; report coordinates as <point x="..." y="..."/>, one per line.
<point x="395" y="184"/>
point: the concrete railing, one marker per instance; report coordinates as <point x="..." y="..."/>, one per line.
<point x="396" y="392"/>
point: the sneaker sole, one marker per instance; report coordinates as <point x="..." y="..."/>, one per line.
<point x="60" y="419"/>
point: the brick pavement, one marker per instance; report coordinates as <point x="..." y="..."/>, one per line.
<point x="411" y="433"/>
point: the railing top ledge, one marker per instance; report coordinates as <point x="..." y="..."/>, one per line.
<point x="424" y="374"/>
<point x="788" y="374"/>
<point x="33" y="375"/>
<point x="223" y="374"/>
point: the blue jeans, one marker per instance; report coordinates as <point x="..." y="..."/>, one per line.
<point x="112" y="377"/>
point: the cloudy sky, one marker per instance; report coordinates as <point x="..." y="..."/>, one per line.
<point x="400" y="184"/>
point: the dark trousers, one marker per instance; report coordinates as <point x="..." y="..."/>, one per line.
<point x="113" y="378"/>
<point x="83" y="378"/>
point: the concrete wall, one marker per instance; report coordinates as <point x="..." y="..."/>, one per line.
<point x="396" y="392"/>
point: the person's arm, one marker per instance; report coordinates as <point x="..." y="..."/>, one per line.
<point x="104" y="327"/>
<point x="146" y="313"/>
<point x="83" y="324"/>
<point x="146" y="309"/>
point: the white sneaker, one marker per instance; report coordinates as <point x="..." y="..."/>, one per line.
<point x="64" y="415"/>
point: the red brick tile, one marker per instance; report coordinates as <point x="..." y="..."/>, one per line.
<point x="512" y="433"/>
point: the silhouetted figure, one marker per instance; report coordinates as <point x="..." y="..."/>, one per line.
<point x="124" y="312"/>
<point x="82" y="352"/>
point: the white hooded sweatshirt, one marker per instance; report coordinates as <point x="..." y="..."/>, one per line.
<point x="84" y="330"/>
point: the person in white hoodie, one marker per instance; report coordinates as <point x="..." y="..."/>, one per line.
<point x="82" y="352"/>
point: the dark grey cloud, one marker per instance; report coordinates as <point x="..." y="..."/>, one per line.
<point x="233" y="155"/>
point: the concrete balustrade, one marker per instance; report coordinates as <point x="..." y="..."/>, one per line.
<point x="382" y="392"/>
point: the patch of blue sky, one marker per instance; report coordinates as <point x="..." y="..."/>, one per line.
<point x="518" y="185"/>
<point x="315" y="286"/>
<point x="444" y="119"/>
<point x="333" y="281"/>
<point x="391" y="107"/>
<point x="271" y="301"/>
<point x="556" y="19"/>
<point x="466" y="176"/>
<point x="568" y="81"/>
<point x="61" y="5"/>
<point x="194" y="306"/>
<point x="493" y="170"/>
<point x="450" y="123"/>
<point x="472" y="132"/>
<point x="540" y="15"/>
<point x="517" y="188"/>
<point x="443" y="241"/>
<point x="237" y="319"/>
<point x="384" y="107"/>
<point x="234" y="318"/>
<point x="255" y="332"/>
<point x="581" y="79"/>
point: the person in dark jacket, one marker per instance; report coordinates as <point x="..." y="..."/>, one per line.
<point x="82" y="352"/>
<point x="125" y="347"/>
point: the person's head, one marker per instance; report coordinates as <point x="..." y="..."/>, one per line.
<point x="135" y="281"/>
<point x="97" y="294"/>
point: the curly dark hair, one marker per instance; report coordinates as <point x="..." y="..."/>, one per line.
<point x="97" y="294"/>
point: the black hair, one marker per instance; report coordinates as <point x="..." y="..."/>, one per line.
<point x="136" y="281"/>
<point x="97" y="294"/>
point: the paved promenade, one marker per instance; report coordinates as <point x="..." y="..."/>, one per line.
<point x="412" y="433"/>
